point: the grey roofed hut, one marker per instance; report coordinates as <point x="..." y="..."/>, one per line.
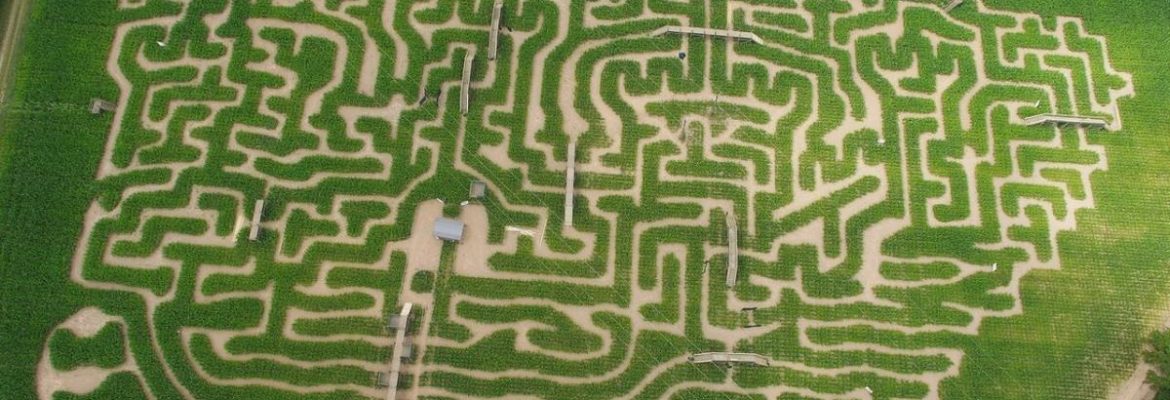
<point x="98" y="105"/>
<point x="448" y="229"/>
<point x="407" y="350"/>
<point x="478" y="188"/>
<point x="396" y="322"/>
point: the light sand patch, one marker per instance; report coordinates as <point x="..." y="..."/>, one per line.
<point x="86" y="323"/>
<point x="423" y="248"/>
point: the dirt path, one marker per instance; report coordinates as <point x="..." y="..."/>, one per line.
<point x="470" y="259"/>
<point x="84" y="324"/>
<point x="11" y="43"/>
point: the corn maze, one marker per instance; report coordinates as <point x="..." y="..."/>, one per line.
<point x="841" y="189"/>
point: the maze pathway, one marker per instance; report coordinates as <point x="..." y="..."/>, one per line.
<point x="870" y="164"/>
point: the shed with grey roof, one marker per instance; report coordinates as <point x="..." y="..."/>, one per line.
<point x="407" y="350"/>
<point x="396" y="322"/>
<point x="96" y="106"/>
<point x="478" y="188"/>
<point x="448" y="229"/>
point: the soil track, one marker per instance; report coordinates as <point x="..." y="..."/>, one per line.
<point x="17" y="15"/>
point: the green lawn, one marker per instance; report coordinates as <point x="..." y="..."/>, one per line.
<point x="1083" y="325"/>
<point x="47" y="163"/>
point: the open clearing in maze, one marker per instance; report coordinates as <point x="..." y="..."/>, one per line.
<point x="876" y="166"/>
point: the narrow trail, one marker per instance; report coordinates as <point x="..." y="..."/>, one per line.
<point x="14" y="28"/>
<point x="822" y="158"/>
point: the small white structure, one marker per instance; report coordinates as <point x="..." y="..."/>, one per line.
<point x="570" y="179"/>
<point x="465" y="96"/>
<point x="449" y="230"/>
<point x="519" y="230"/>
<point x="254" y="229"/>
<point x="951" y="6"/>
<point x="729" y="358"/>
<point x="1058" y="120"/>
<point x="494" y="36"/>
<point x="715" y="33"/>
<point x="96" y="106"/>
<point x="732" y="250"/>
<point x="396" y="355"/>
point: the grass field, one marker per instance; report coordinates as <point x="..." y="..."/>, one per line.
<point x="901" y="232"/>
<point x="1111" y="284"/>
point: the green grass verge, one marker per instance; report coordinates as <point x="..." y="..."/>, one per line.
<point x="48" y="158"/>
<point x="1084" y="324"/>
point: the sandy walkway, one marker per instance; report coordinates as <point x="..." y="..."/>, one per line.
<point x="84" y="324"/>
<point x="472" y="255"/>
